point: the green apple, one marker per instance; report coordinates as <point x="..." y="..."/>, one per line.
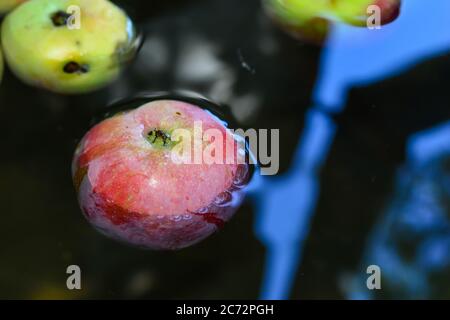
<point x="311" y="18"/>
<point x="301" y="11"/>
<point x="68" y="46"/>
<point x="7" y="5"/>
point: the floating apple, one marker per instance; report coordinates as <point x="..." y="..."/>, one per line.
<point x="7" y="5"/>
<point x="311" y="19"/>
<point x="131" y="187"/>
<point x="68" y="46"/>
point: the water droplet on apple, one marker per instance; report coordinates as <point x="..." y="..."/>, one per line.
<point x="177" y="218"/>
<point x="223" y="199"/>
<point x="187" y="217"/>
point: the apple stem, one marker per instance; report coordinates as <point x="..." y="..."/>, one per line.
<point x="60" y="18"/>
<point x="74" y="67"/>
<point x="159" y="139"/>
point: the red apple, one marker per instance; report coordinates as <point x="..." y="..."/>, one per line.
<point x="390" y="10"/>
<point x="131" y="189"/>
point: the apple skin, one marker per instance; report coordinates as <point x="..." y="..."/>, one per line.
<point x="8" y="5"/>
<point x="132" y="191"/>
<point x="390" y="10"/>
<point x="68" y="61"/>
<point x="311" y="20"/>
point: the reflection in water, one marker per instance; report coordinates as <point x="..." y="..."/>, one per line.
<point x="266" y="79"/>
<point x="411" y="242"/>
<point x="353" y="55"/>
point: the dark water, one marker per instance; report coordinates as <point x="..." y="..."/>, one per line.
<point x="378" y="191"/>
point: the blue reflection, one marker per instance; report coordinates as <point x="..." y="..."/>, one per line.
<point x="353" y="56"/>
<point x="411" y="242"/>
<point x="358" y="56"/>
<point x="434" y="255"/>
